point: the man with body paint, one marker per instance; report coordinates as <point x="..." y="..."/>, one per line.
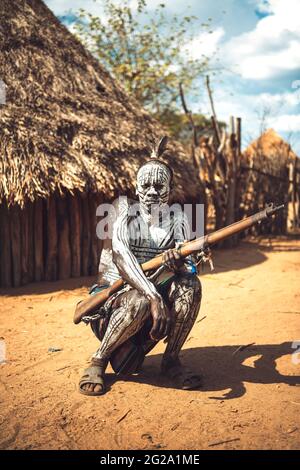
<point x="170" y="308"/>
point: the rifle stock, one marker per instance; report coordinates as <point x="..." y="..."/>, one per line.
<point x="89" y="305"/>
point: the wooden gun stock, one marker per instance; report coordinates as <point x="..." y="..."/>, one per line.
<point x="92" y="303"/>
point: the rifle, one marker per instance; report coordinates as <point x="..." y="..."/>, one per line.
<point x="86" y="307"/>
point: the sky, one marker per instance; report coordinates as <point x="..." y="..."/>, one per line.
<point x="258" y="45"/>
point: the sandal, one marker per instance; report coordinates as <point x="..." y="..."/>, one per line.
<point x="92" y="375"/>
<point x="183" y="377"/>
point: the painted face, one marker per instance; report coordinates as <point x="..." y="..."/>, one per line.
<point x="153" y="184"/>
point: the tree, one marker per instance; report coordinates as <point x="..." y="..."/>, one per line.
<point x="180" y="127"/>
<point x="145" y="51"/>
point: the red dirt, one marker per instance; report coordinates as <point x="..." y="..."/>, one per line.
<point x="250" y="397"/>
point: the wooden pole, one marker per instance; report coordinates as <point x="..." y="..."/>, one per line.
<point x="86" y="237"/>
<point x="5" y="247"/>
<point x="231" y="126"/>
<point x="215" y="128"/>
<point x="75" y="234"/>
<point x="239" y="188"/>
<point x="15" y="234"/>
<point x="232" y="160"/>
<point x="64" y="250"/>
<point x="189" y="116"/>
<point x="25" y="234"/>
<point x="52" y="239"/>
<point x="31" y="248"/>
<point x="38" y="241"/>
<point x="239" y="134"/>
<point x="94" y="240"/>
<point x="214" y="115"/>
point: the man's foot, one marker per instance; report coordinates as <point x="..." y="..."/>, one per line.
<point x="181" y="376"/>
<point x="92" y="381"/>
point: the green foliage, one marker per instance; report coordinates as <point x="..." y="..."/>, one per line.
<point x="145" y="51"/>
<point x="180" y="126"/>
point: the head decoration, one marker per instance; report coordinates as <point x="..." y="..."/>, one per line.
<point x="157" y="152"/>
<point x="154" y="177"/>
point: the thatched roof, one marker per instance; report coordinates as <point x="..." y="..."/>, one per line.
<point x="270" y="152"/>
<point x="67" y="125"/>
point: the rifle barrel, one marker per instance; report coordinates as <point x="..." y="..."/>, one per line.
<point x="92" y="303"/>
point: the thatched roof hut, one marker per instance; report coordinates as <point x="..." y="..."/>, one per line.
<point x="67" y="129"/>
<point x="266" y="175"/>
<point x="269" y="153"/>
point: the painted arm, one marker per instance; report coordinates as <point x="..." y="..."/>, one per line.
<point x="127" y="264"/>
<point x="171" y="258"/>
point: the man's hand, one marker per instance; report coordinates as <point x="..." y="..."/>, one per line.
<point x="172" y="260"/>
<point x="162" y="319"/>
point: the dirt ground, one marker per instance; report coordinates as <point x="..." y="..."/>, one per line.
<point x="250" y="397"/>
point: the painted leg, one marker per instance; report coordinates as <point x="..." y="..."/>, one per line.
<point x="185" y="297"/>
<point x="130" y="311"/>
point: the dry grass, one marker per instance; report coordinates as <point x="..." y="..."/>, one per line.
<point x="269" y="153"/>
<point x="67" y="124"/>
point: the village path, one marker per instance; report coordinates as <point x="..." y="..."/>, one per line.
<point x="250" y="397"/>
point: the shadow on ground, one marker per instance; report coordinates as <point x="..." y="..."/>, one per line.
<point x="222" y="368"/>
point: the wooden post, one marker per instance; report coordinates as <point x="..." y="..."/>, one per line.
<point x="231" y="126"/>
<point x="240" y="189"/>
<point x="189" y="115"/>
<point x="86" y="237"/>
<point x="75" y="234"/>
<point x="94" y="241"/>
<point x="215" y="120"/>
<point x="285" y="198"/>
<point x="64" y="250"/>
<point x="215" y="128"/>
<point x="25" y="234"/>
<point x="297" y="193"/>
<point x="15" y="234"/>
<point x="5" y="247"/>
<point x="232" y="180"/>
<point x="239" y="134"/>
<point x="51" y="256"/>
<point x="38" y="241"/>
<point x="31" y="248"/>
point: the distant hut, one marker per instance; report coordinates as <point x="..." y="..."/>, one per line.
<point x="70" y="137"/>
<point x="266" y="172"/>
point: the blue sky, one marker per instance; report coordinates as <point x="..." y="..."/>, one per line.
<point x="257" y="41"/>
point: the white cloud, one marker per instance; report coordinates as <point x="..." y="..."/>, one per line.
<point x="263" y="6"/>
<point x="264" y="50"/>
<point x="287" y="123"/>
<point x="282" y="112"/>
<point x="60" y="7"/>
<point x="248" y="106"/>
<point x="205" y="44"/>
<point x="272" y="47"/>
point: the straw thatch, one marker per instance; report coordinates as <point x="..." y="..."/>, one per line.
<point x="266" y="170"/>
<point x="270" y="153"/>
<point x="67" y="125"/>
<point x="70" y="138"/>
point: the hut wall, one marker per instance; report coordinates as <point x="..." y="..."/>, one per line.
<point x="49" y="240"/>
<point x="259" y="189"/>
<point x="5" y="248"/>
